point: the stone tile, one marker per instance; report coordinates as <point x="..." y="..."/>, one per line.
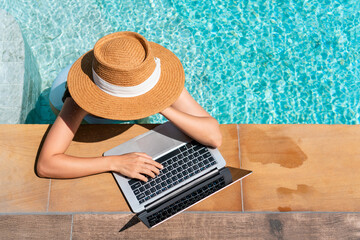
<point x="14" y="73"/>
<point x="11" y="95"/>
<point x="3" y="69"/>
<point x="301" y="167"/>
<point x="11" y="28"/>
<point x="10" y="115"/>
<point x="13" y="51"/>
<point x="4" y="17"/>
<point x="21" y="189"/>
<point x="2" y="27"/>
<point x="35" y="226"/>
<point x="1" y="51"/>
<point x="223" y="226"/>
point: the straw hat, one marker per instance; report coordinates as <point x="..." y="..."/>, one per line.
<point x="126" y="77"/>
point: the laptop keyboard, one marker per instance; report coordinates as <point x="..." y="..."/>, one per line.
<point x="179" y="165"/>
<point x="186" y="201"/>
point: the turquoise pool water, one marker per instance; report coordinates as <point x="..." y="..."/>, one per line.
<point x="245" y="61"/>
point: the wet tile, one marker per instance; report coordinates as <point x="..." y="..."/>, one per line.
<point x="21" y="189"/>
<point x="35" y="226"/>
<point x="301" y="167"/>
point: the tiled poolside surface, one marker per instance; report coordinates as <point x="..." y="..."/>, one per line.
<point x="297" y="168"/>
<point x="12" y="57"/>
<point x="19" y="77"/>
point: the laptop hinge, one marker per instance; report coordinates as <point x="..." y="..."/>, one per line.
<point x="187" y="186"/>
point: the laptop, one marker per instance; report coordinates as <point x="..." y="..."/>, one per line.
<point x="192" y="172"/>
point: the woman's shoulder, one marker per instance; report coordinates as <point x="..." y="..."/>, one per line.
<point x="71" y="110"/>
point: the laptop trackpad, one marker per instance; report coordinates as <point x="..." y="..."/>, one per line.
<point x="155" y="144"/>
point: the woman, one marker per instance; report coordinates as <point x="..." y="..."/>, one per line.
<point x="124" y="77"/>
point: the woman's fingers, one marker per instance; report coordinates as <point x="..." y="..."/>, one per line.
<point x="139" y="165"/>
<point x="152" y="168"/>
<point x="147" y="159"/>
<point x="148" y="172"/>
<point x="140" y="177"/>
<point x="154" y="163"/>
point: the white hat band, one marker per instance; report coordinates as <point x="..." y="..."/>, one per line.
<point x="133" y="91"/>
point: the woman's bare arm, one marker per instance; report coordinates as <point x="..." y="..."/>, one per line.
<point x="54" y="163"/>
<point x="186" y="113"/>
<point x="193" y="120"/>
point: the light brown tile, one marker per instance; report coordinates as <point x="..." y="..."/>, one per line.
<point x="21" y="189"/>
<point x="301" y="167"/>
<point x="98" y="193"/>
<point x="89" y="194"/>
<point x="223" y="226"/>
<point x="35" y="226"/>
<point x="228" y="199"/>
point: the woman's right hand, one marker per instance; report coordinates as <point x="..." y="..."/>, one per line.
<point x="135" y="165"/>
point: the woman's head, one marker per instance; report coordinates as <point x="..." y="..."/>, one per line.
<point x="126" y="77"/>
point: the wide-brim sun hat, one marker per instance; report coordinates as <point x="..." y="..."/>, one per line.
<point x="126" y="77"/>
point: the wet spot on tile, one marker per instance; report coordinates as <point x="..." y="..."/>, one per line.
<point x="265" y="149"/>
<point x="301" y="190"/>
<point x="284" y="209"/>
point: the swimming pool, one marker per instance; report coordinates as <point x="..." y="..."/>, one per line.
<point x="245" y="61"/>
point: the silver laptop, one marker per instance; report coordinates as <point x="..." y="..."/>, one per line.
<point x="192" y="172"/>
